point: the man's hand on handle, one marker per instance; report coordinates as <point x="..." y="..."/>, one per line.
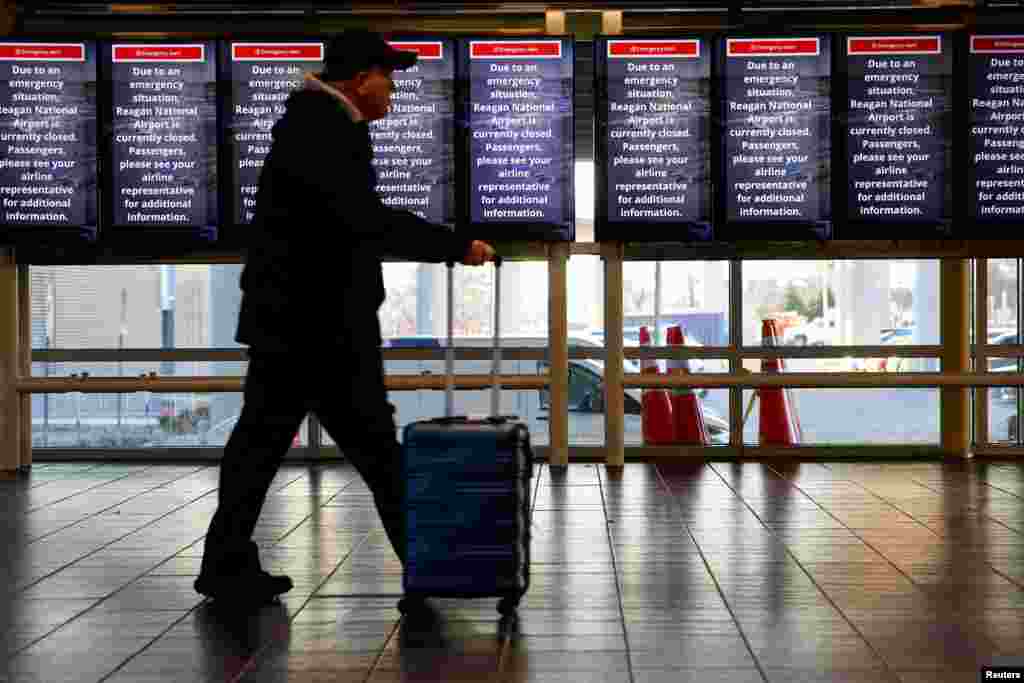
<point x="478" y="254"/>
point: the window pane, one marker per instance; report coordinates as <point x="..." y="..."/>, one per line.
<point x="857" y="416"/>
<point x="585" y="300"/>
<point x="137" y="420"/>
<point x="1003" y="284"/>
<point x="1003" y="279"/>
<point x="218" y="411"/>
<point x="417" y="299"/>
<point x="843" y="302"/>
<point x="1002" y="405"/>
<point x="152" y="306"/>
<point x="693" y="294"/>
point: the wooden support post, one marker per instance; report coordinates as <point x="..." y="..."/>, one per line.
<point x="981" y="394"/>
<point x="10" y="402"/>
<point x="558" y="347"/>
<point x="554" y="22"/>
<point x="955" y="423"/>
<point x="24" y="365"/>
<point x="614" y="400"/>
<point x="611" y="22"/>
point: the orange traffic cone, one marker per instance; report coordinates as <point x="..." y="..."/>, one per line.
<point x="777" y="426"/>
<point x="656" y="406"/>
<point x="687" y="414"/>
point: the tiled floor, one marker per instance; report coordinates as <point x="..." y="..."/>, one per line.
<point x="706" y="572"/>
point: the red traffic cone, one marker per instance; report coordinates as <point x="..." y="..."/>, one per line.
<point x="687" y="414"/>
<point x="777" y="426"/>
<point x="656" y="406"/>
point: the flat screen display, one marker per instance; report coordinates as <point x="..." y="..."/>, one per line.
<point x="519" y="114"/>
<point x="48" y="136"/>
<point x="163" y="148"/>
<point x="776" y="111"/>
<point x="898" y="129"/>
<point x="413" y="151"/>
<point x="261" y="75"/>
<point x="653" y="152"/>
<point x="995" y="138"/>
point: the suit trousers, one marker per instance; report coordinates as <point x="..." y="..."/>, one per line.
<point x="280" y="389"/>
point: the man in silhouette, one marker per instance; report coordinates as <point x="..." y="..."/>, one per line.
<point x="312" y="285"/>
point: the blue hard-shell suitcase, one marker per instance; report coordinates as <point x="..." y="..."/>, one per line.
<point x="467" y="497"/>
<point x="467" y="485"/>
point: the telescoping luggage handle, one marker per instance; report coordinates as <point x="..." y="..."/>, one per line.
<point x="449" y="355"/>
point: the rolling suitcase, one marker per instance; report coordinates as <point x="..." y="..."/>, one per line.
<point x="467" y="514"/>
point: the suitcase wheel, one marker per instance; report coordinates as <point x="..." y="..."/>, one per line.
<point x="507" y="605"/>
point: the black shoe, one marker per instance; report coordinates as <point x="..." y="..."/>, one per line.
<point x="252" y="587"/>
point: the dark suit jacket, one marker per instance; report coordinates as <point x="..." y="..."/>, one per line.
<point x="313" y="264"/>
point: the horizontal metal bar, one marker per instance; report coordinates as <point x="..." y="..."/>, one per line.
<point x="997" y="450"/>
<point x="241" y="355"/>
<point x="784" y="351"/>
<point x="227" y="384"/>
<point x="1002" y="351"/>
<point x="825" y="380"/>
<point x="798" y="451"/>
<point x="519" y="353"/>
<point x="149" y="455"/>
<point x="137" y="355"/>
<point x="166" y="454"/>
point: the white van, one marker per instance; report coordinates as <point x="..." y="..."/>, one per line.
<point x="586" y="391"/>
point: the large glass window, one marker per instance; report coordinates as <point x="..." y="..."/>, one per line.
<point x="816" y="303"/>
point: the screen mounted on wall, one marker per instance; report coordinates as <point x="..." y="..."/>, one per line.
<point x="995" y="136"/>
<point x="776" y="128"/>
<point x="162" y="117"/>
<point x="48" y="163"/>
<point x="899" y="138"/>
<point x="653" y="134"/>
<point x="519" y="116"/>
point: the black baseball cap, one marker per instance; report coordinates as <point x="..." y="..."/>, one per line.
<point x="355" y="50"/>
